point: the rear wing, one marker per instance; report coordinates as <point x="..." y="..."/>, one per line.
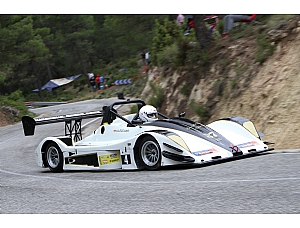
<point x="73" y="121"/>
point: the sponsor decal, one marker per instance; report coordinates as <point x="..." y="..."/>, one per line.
<point x="204" y="152"/>
<point x="126" y="160"/>
<point x="109" y="159"/>
<point x="195" y="126"/>
<point x="234" y="148"/>
<point x="248" y="144"/>
<point x="121" y="130"/>
<point x="212" y="136"/>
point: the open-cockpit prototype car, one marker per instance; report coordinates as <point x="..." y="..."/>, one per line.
<point x="125" y="142"/>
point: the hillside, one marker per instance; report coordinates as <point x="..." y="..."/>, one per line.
<point x="3" y="120"/>
<point x="236" y="85"/>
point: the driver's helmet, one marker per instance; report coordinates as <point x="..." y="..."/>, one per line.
<point x="148" y="113"/>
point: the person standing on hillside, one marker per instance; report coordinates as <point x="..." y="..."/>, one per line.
<point x="189" y="25"/>
<point x="147" y="57"/>
<point x="180" y="19"/>
<point x="101" y="82"/>
<point x="92" y="81"/>
<point x="143" y="55"/>
<point x="90" y="75"/>
<point x="98" y="81"/>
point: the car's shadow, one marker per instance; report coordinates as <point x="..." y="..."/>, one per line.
<point x="172" y="167"/>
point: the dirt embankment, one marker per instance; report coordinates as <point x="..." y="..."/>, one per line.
<point x="268" y="94"/>
<point x="3" y="120"/>
<point x="8" y="115"/>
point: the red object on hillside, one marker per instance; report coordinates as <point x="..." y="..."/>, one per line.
<point x="253" y="16"/>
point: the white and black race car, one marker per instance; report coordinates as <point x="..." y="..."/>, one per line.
<point x="125" y="142"/>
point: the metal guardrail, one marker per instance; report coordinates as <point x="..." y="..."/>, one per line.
<point x="31" y="104"/>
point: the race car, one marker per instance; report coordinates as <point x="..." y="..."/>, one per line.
<point x="125" y="142"/>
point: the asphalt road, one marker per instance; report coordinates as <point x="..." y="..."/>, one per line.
<point x="264" y="184"/>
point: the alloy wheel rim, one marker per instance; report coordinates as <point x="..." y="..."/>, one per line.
<point x="53" y="157"/>
<point x="150" y="153"/>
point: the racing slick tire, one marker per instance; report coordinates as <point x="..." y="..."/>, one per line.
<point x="54" y="158"/>
<point x="149" y="154"/>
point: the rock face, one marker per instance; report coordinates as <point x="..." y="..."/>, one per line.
<point x="268" y="94"/>
<point x="7" y="115"/>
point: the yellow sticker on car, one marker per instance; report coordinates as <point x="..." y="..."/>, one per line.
<point x="109" y="159"/>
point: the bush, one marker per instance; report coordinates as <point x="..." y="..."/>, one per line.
<point x="16" y="103"/>
<point x="2" y="77"/>
<point x="167" y="57"/>
<point x="183" y="47"/>
<point x="200" y="110"/>
<point x="158" y="95"/>
<point x="264" y="49"/>
<point x="220" y="26"/>
<point x="16" y="96"/>
<point x="81" y="81"/>
<point x="185" y="90"/>
<point x="166" y="35"/>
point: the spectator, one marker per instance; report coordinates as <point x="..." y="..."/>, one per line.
<point x="143" y="57"/>
<point x="101" y="82"/>
<point x="212" y="22"/>
<point x="189" y="25"/>
<point x="231" y="18"/>
<point x="180" y="19"/>
<point x="93" y="82"/>
<point x="90" y="75"/>
<point x="147" y="57"/>
<point x="98" y="81"/>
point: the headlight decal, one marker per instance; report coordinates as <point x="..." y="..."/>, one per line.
<point x="176" y="138"/>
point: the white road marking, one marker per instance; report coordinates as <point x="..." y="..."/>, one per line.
<point x="154" y="182"/>
<point x="90" y="122"/>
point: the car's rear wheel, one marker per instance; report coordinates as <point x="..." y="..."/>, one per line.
<point x="149" y="155"/>
<point x="54" y="157"/>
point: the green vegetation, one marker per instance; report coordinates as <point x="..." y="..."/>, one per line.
<point x="200" y="110"/>
<point x="157" y="98"/>
<point x="37" y="48"/>
<point x="218" y="87"/>
<point x="264" y="49"/>
<point x="16" y="101"/>
<point x="273" y="20"/>
<point x="169" y="45"/>
<point x="184" y="90"/>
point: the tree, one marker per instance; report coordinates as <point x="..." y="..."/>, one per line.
<point x="202" y="33"/>
<point x="37" y="48"/>
<point x="72" y="45"/>
<point x="127" y="35"/>
<point x="24" y="52"/>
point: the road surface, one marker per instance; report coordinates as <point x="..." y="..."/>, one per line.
<point x="264" y="184"/>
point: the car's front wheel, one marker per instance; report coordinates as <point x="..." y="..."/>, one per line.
<point x="149" y="154"/>
<point x="54" y="157"/>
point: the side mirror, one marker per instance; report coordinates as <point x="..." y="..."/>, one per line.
<point x="181" y="115"/>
